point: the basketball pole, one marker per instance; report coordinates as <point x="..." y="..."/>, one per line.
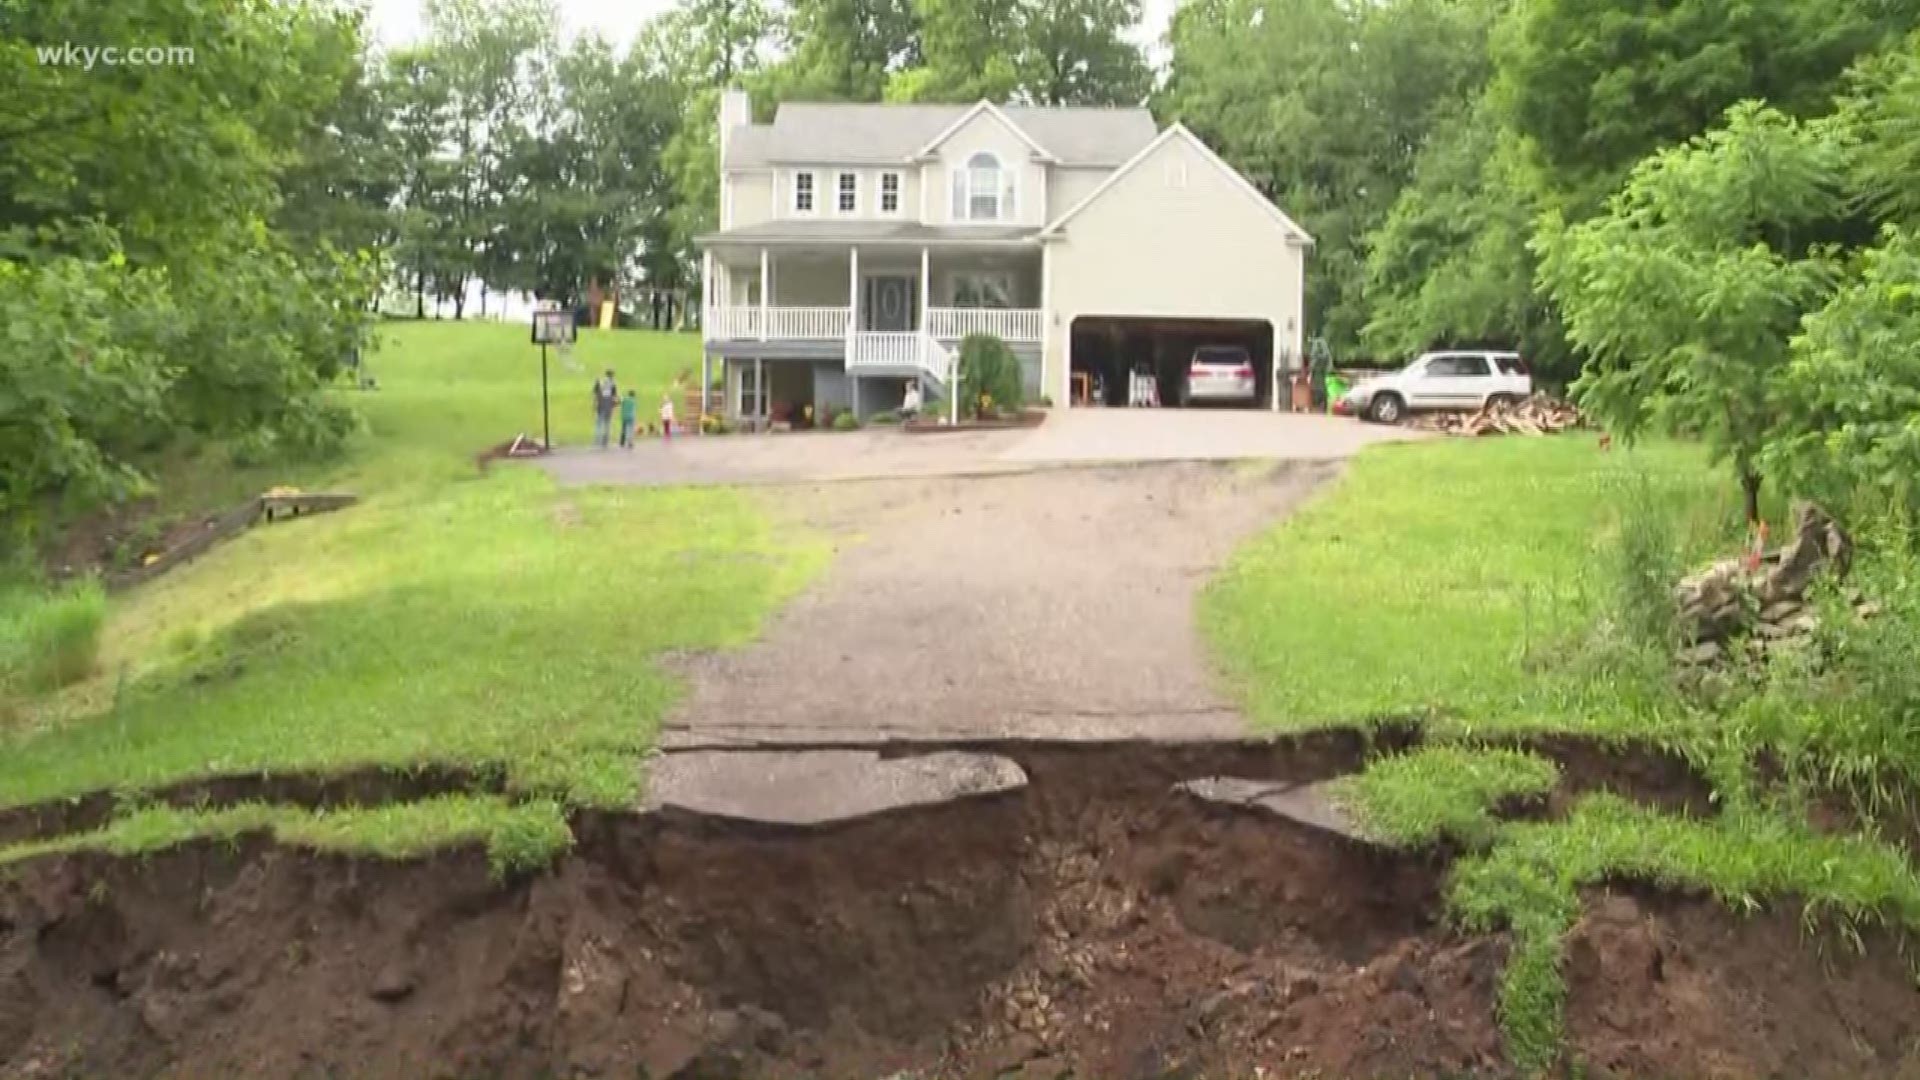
<point x="546" y="415"/>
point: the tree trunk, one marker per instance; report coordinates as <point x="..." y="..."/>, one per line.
<point x="419" y="294"/>
<point x="1750" y="493"/>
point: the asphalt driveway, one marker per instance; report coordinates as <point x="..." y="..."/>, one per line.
<point x="1069" y="437"/>
<point x="1056" y="604"/>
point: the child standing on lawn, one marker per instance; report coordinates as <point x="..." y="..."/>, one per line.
<point x="666" y="417"/>
<point x="629" y="414"/>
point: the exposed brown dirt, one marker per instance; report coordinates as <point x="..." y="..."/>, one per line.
<point x="359" y="787"/>
<point x="1096" y="924"/>
<point x="1670" y="986"/>
<point x="1645" y="774"/>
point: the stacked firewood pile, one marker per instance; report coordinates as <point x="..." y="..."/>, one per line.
<point x="1537" y="415"/>
<point x="1759" y="602"/>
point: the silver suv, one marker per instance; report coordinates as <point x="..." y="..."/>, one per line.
<point x="1463" y="379"/>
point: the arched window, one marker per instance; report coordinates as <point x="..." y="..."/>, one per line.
<point x="982" y="191"/>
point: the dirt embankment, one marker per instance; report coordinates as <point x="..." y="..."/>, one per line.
<point x="1095" y="924"/>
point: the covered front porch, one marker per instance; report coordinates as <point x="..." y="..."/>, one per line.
<point x="870" y="299"/>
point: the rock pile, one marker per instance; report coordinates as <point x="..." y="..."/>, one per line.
<point x="1763" y="600"/>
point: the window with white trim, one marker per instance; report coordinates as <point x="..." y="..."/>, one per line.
<point x="803" y="193"/>
<point x="982" y="289"/>
<point x="983" y="191"/>
<point x="849" y="193"/>
<point x="889" y="192"/>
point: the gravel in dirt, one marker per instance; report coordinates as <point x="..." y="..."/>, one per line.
<point x="1055" y="605"/>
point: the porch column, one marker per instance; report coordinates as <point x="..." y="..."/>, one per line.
<point x="854" y="380"/>
<point x="709" y="292"/>
<point x="853" y="289"/>
<point x="759" y="394"/>
<point x="763" y="294"/>
<point x="926" y="264"/>
<point x="1064" y="395"/>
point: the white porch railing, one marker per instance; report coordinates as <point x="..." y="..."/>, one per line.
<point x="807" y="323"/>
<point x="884" y="348"/>
<point x="744" y="323"/>
<point x="732" y="323"/>
<point x="1007" y="324"/>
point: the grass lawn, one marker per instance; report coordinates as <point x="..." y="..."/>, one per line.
<point x="1492" y="588"/>
<point x="1442" y="580"/>
<point x="491" y="622"/>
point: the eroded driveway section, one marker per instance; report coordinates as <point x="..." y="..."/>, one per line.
<point x="1047" y="605"/>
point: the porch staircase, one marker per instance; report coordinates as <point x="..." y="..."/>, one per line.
<point x="901" y="354"/>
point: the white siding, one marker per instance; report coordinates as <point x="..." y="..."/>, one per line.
<point x="1070" y="185"/>
<point x="986" y="132"/>
<point x="1176" y="236"/>
<point x="752" y="196"/>
<point x="758" y="196"/>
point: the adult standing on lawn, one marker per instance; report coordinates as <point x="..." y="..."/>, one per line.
<point x="606" y="397"/>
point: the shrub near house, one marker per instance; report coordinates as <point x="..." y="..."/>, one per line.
<point x="989" y="378"/>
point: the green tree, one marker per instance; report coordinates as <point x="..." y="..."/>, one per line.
<point x="1450" y="263"/>
<point x="1851" y="397"/>
<point x="1069" y="52"/>
<point x="1326" y="106"/>
<point x="1594" y="86"/>
<point x="1074" y="52"/>
<point x="1881" y="112"/>
<point x="492" y="56"/>
<point x="169" y="263"/>
<point x="584" y="178"/>
<point x="343" y="178"/>
<point x="965" y="45"/>
<point x="418" y="99"/>
<point x="844" y="50"/>
<point x="1685" y="290"/>
<point x="693" y="51"/>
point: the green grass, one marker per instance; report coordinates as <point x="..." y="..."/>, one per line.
<point x="518" y="837"/>
<point x="495" y="623"/>
<point x="1530" y="881"/>
<point x="447" y="389"/>
<point x="1441" y="793"/>
<point x="1512" y="587"/>
<point x="49" y="640"/>
<point x="1443" y="579"/>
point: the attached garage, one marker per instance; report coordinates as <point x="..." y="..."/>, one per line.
<point x="1105" y="351"/>
<point x="1174" y="250"/>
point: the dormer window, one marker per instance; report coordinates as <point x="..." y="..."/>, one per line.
<point x="982" y="191"/>
<point x="803" y="193"/>
<point x="849" y="193"/>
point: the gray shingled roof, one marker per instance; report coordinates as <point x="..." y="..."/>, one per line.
<point x="830" y="133"/>
<point x="794" y="231"/>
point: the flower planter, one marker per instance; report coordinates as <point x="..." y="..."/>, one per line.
<point x="1027" y="418"/>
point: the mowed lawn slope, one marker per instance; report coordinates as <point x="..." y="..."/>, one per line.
<point x="1448" y="580"/>
<point x="489" y="622"/>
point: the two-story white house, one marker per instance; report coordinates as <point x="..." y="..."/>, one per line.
<point x="858" y="244"/>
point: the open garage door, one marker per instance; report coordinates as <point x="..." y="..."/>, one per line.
<point x="1104" y="350"/>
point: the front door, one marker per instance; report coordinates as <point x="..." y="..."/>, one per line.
<point x="889" y="302"/>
